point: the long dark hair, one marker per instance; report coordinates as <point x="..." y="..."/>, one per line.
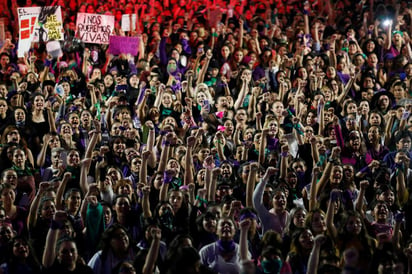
<point x="13" y="261"/>
<point x="108" y="235"/>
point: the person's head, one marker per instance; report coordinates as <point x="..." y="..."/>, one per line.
<point x="386" y="194"/>
<point x="352" y="224"/>
<point x="208" y="222"/>
<point x="315" y="221"/>
<point x="9" y="176"/>
<point x="403" y="140"/>
<point x="273" y="125"/>
<point x="7" y="194"/>
<point x="226" y="229"/>
<point x="73" y="158"/>
<point x="11" y="135"/>
<point x="251" y="215"/>
<point x="20" y="249"/>
<point x="176" y="199"/>
<point x="302" y="241"/>
<point x="72" y="199"/>
<point x="6" y="233"/>
<point x="115" y="238"/>
<point x="271" y="259"/>
<point x="380" y="212"/>
<point x="123" y="187"/>
<point x="121" y="205"/>
<point x="67" y="253"/>
<point x="336" y="175"/>
<point x="279" y="200"/>
<point x="47" y="208"/>
<point x="19" y="157"/>
<point x="297" y="218"/>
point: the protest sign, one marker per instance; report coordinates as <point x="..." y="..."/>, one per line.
<point x="94" y="28"/>
<point x="128" y="19"/>
<point x="123" y="44"/>
<point x="39" y="24"/>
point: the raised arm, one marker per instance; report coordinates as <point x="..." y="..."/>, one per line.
<point x="34" y="207"/>
<point x="153" y="252"/>
<point x="49" y="254"/>
<point x="250" y="184"/>
<point x="334" y="197"/>
<point x="188" y="177"/>
<point x="61" y="189"/>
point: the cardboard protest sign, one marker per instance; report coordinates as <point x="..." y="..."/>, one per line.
<point x="123" y="44"/>
<point x="49" y="25"/>
<point x="128" y="19"/>
<point x="39" y="24"/>
<point x="94" y="28"/>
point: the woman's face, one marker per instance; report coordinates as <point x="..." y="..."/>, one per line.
<point x="387" y="196"/>
<point x="107" y="214"/>
<point x="226" y="170"/>
<point x="201" y="96"/>
<point x="225" y="229"/>
<point x="375" y="119"/>
<point x="119" y="146"/>
<point x="8" y="196"/>
<point x="119" y="241"/>
<point x="273" y="128"/>
<point x="67" y="254"/>
<point x="19" y="158"/>
<point x="318" y="223"/>
<point x="354" y="225"/>
<point x="38" y="102"/>
<point x="13" y="136"/>
<point x="108" y="81"/>
<point x="122" y="206"/>
<point x="74" y="120"/>
<point x="225" y="51"/>
<point x="228" y="128"/>
<point x="364" y="107"/>
<point x="279" y="200"/>
<point x="73" y="158"/>
<point x="278" y="109"/>
<point x="48" y="209"/>
<point x="66" y="129"/>
<point x="331" y="72"/>
<point x="306" y="239"/>
<point x="380" y="212"/>
<point x="19" y="115"/>
<point x="3" y="107"/>
<point x="54" y="142"/>
<point x="336" y="175"/>
<point x="20" y="249"/>
<point x="10" y="176"/>
<point x="374" y="134"/>
<point x="209" y="224"/>
<point x="238" y="56"/>
<point x="176" y="200"/>
<point x="167" y="100"/>
<point x="299" y="218"/>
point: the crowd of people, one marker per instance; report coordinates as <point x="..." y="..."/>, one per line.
<point x="244" y="137"/>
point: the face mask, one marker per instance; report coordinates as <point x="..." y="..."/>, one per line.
<point x="272" y="266"/>
<point x="20" y="123"/>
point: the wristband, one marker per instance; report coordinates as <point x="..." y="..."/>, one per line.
<point x="284" y="154"/>
<point x="214" y="34"/>
<point x="165" y="143"/>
